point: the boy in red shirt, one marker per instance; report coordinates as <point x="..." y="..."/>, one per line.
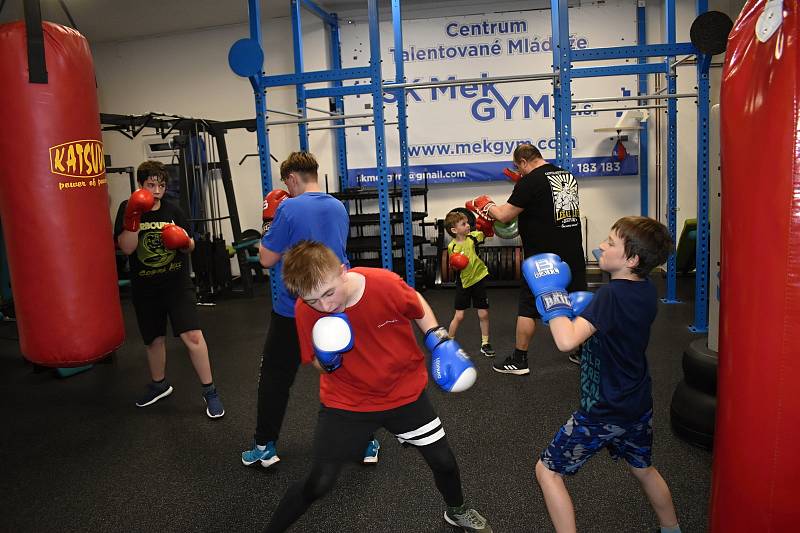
<point x="355" y="327"/>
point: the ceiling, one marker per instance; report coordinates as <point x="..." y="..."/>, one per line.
<point x="120" y="20"/>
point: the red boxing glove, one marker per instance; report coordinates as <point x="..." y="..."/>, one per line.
<point x="175" y="237"/>
<point x="512" y="175"/>
<point x="485" y="226"/>
<point x="470" y="204"/>
<point x="140" y="202"/>
<point x="458" y="261"/>
<point x="271" y="202"/>
<point x="483" y="203"/>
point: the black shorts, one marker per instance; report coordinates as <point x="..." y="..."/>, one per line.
<point x="341" y="434"/>
<point x="154" y="306"/>
<point x="472" y="296"/>
<point x="527" y="303"/>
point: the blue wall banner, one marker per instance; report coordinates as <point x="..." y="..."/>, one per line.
<point x="468" y="132"/>
<point x="583" y="167"/>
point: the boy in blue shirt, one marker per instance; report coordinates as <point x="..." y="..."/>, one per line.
<point x="616" y="396"/>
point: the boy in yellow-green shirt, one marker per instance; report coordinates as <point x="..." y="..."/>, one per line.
<point x="470" y="277"/>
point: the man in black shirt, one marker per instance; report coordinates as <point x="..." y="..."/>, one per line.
<point x="545" y="202"/>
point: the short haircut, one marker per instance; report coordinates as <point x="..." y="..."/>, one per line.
<point x="154" y="169"/>
<point x="303" y="163"/>
<point x="453" y="218"/>
<point x="647" y="238"/>
<point x="528" y="152"/>
<point x="307" y="265"/>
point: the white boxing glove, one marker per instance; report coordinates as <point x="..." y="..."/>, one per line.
<point x="332" y="335"/>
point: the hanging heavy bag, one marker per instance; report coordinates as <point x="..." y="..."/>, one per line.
<point x="54" y="200"/>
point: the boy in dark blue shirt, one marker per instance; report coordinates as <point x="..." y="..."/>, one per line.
<point x="616" y="396"/>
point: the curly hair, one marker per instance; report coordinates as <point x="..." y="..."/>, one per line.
<point x="154" y="169"/>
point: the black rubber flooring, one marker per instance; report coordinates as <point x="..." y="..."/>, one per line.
<point x="77" y="455"/>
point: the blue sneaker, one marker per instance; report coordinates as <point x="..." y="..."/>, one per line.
<point x="155" y="392"/>
<point x="214" y="408"/>
<point x="371" y="453"/>
<point x="267" y="456"/>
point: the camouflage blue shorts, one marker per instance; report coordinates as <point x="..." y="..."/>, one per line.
<point x="580" y="438"/>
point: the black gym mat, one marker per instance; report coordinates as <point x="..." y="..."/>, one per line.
<point x="77" y="454"/>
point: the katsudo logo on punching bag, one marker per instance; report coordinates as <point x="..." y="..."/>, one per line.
<point x="78" y="159"/>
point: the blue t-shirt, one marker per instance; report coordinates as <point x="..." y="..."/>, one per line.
<point x="615" y="379"/>
<point x="311" y="216"/>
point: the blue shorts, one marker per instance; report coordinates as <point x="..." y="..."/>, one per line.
<point x="580" y="438"/>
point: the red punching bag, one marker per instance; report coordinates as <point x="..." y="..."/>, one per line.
<point x="54" y="202"/>
<point x="756" y="467"/>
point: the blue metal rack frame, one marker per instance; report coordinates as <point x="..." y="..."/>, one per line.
<point x="563" y="59"/>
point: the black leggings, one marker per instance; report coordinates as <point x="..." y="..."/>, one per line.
<point x="279" y="362"/>
<point x="323" y="477"/>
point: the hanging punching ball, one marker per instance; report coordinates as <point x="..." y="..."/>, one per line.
<point x="54" y="200"/>
<point x="756" y="466"/>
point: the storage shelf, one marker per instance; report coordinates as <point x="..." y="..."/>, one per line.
<point x="373" y="244"/>
<point x="371" y="193"/>
<point x="375" y="218"/>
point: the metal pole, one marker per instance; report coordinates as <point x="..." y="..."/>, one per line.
<point x="700" y="324"/>
<point x="340" y="126"/>
<point x="317" y="119"/>
<point x="562" y="89"/>
<point x="402" y="130"/>
<point x="470" y="81"/>
<point x="330" y="113"/>
<point x="623" y="108"/>
<point x="680" y="61"/>
<point x="380" y="138"/>
<point x="644" y="170"/>
<point x="624" y="98"/>
<point x="287" y="113"/>
<point x="672" y="153"/>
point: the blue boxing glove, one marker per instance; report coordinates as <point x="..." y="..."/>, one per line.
<point x="548" y="277"/>
<point x="580" y="300"/>
<point x="452" y="369"/>
<point x="332" y="335"/>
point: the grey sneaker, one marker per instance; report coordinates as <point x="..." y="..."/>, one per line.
<point x="470" y="520"/>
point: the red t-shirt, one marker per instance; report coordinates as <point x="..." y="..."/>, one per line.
<point x="386" y="368"/>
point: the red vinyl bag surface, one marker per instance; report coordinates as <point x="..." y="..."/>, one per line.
<point x="756" y="467"/>
<point x="54" y="202"/>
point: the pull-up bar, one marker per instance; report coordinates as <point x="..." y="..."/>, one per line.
<point x="621" y="108"/>
<point x="471" y="81"/>
<point x="625" y="98"/>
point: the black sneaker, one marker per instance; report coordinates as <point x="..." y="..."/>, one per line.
<point x="575" y="357"/>
<point x="487" y="350"/>
<point x="512" y="366"/>
<point x="155" y="392"/>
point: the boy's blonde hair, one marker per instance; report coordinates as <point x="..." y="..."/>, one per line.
<point x="646" y="237"/>
<point x="453" y="218"/>
<point x="307" y="265"/>
<point x="303" y="163"/>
